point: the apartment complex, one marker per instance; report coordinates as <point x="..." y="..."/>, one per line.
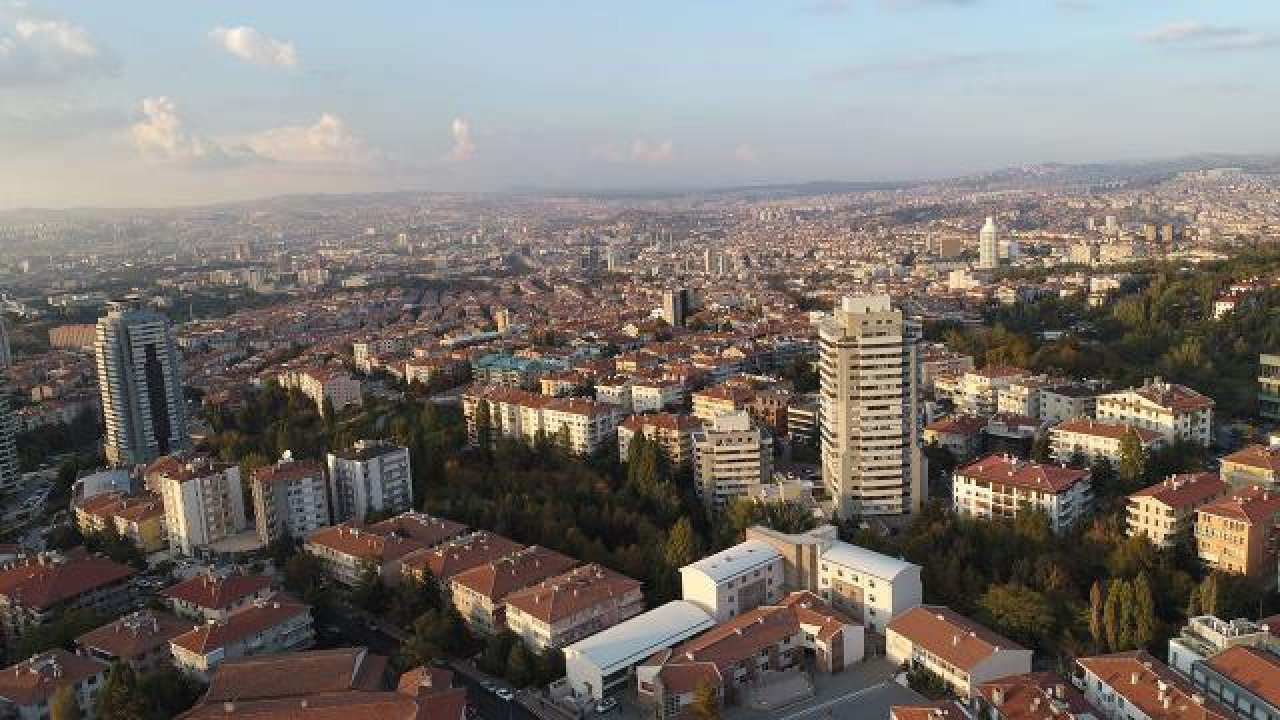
<point x="1032" y="696"/>
<point x="1135" y="685"/>
<point x="480" y="594"/>
<point x="673" y="433"/>
<point x="571" y="606"/>
<point x="1001" y="486"/>
<point x="733" y="581"/>
<point x="139" y="639"/>
<point x="27" y="689"/>
<point x="1253" y="465"/>
<point x="9" y="467"/>
<point x="265" y="627"/>
<point x="1237" y="533"/>
<point x="1175" y="411"/>
<point x="203" y="500"/>
<point x="1167" y="510"/>
<point x="326" y="387"/>
<point x="1092" y="440"/>
<point x="138" y="379"/>
<point x="962" y="653"/>
<point x="871" y="459"/>
<point x="581" y="425"/>
<point x="39" y="588"/>
<point x="371" y="476"/>
<point x="451" y="558"/>
<point x="731" y="458"/>
<point x="1243" y="678"/>
<point x="212" y="596"/>
<point x="138" y="518"/>
<point x="290" y="499"/>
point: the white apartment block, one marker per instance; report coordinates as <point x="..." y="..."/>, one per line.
<point x="1167" y="509"/>
<point x="656" y="396"/>
<point x="264" y="627"/>
<point x="1136" y="686"/>
<point x="1000" y="486"/>
<point x="1097" y="440"/>
<point x="203" y="500"/>
<point x="338" y="387"/>
<point x="674" y="433"/>
<point x="582" y="425"/>
<point x="1064" y="402"/>
<point x="290" y="499"/>
<point x="1174" y="411"/>
<point x="977" y="392"/>
<point x="372" y="476"/>
<point x="871" y="456"/>
<point x="734" y="581"/>
<point x="731" y="458"/>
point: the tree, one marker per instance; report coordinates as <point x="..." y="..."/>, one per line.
<point x="1018" y="611"/>
<point x="169" y="692"/>
<point x="1096" y="628"/>
<point x="64" y="705"/>
<point x="1111" y="612"/>
<point x="1124" y="619"/>
<point x="681" y="548"/>
<point x="119" y="698"/>
<point x="484" y="427"/>
<point x="369" y="592"/>
<point x="1133" y="459"/>
<point x="706" y="701"/>
<point x="1144" y="612"/>
<point x="1040" y="448"/>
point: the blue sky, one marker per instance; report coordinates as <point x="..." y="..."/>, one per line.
<point x="154" y="103"/>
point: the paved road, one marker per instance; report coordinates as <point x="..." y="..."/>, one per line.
<point x="490" y="706"/>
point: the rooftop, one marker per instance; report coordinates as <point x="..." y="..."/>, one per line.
<point x="740" y="558"/>
<point x="633" y="640"/>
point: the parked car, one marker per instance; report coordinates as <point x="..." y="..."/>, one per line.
<point x="505" y="694"/>
<point x="606" y="705"/>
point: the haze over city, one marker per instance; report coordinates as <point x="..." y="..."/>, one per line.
<point x="177" y="103"/>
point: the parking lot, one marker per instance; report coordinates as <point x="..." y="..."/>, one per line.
<point x="865" y="690"/>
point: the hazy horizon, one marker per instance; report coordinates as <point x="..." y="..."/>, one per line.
<point x="148" y="104"/>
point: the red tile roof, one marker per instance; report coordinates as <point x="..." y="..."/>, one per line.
<point x="297" y="674"/>
<point x="499" y="578"/>
<point x="570" y="593"/>
<point x="41" y="581"/>
<point x="449" y="559"/>
<point x="1035" y="696"/>
<point x="1007" y="470"/>
<point x="1254" y="504"/>
<point x="218" y="592"/>
<point x="951" y="636"/>
<point x="247" y="621"/>
<point x="1185" y="490"/>
<point x="35" y="679"/>
<point x="1262" y="457"/>
<point x="1251" y="668"/>
<point x="135" y="634"/>
<point x="1099" y="428"/>
<point x="1138" y="676"/>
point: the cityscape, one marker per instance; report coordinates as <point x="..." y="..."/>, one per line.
<point x="298" y="425"/>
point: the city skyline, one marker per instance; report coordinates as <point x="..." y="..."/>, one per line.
<point x="189" y="105"/>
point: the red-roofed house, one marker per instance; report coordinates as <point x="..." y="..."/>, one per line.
<point x="1096" y="439"/>
<point x="961" y="434"/>
<point x="38" y="588"/>
<point x="1253" y="465"/>
<point x="480" y="593"/>
<point x="265" y="627"/>
<point x="140" y="639"/>
<point x="1237" y="533"/>
<point x="1174" y="411"/>
<point x="27" y="688"/>
<point x="213" y="596"/>
<point x="570" y="606"/>
<point x="1135" y="684"/>
<point x="1167" y="509"/>
<point x="999" y="486"/>
<point x="961" y="652"/>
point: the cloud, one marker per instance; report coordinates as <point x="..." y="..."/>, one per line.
<point x="463" y="144"/>
<point x="248" y="44"/>
<point x="162" y="138"/>
<point x="640" y="152"/>
<point x="1193" y="35"/>
<point x="37" y="49"/>
<point x="746" y="155"/>
<point x="934" y="61"/>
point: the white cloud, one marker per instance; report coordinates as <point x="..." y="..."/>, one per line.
<point x="641" y="152"/>
<point x="746" y="155"/>
<point x="248" y="44"/>
<point x="463" y="144"/>
<point x="37" y="49"/>
<point x="328" y="141"/>
<point x="162" y="137"/>
<point x="1193" y="35"/>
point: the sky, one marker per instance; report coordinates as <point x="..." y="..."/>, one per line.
<point x="140" y="103"/>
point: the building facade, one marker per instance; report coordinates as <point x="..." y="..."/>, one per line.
<point x="1166" y="511"/>
<point x="733" y="581"/>
<point x="731" y="458"/>
<point x="203" y="500"/>
<point x="1175" y="411"/>
<point x="371" y="476"/>
<point x="290" y="499"/>
<point x="1001" y="487"/>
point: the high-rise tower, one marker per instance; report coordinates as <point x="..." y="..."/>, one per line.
<point x="142" y="401"/>
<point x="8" y="422"/>
<point x="871" y="457"/>
<point x="989" y="246"/>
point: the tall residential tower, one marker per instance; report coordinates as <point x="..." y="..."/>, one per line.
<point x="142" y="402"/>
<point x="8" y="421"/>
<point x="989" y="246"/>
<point x="871" y="456"/>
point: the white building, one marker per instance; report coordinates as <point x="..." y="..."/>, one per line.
<point x="372" y="476"/>
<point x="733" y="581"/>
<point x="1205" y="636"/>
<point x="290" y="498"/>
<point x="655" y="396"/>
<point x="989" y="245"/>
<point x="1095" y="439"/>
<point x="582" y="425"/>
<point x="1174" y="411"/>
<point x="961" y="652"/>
<point x="603" y="663"/>
<point x="871" y="456"/>
<point x="731" y="458"/>
<point x="142" y="403"/>
<point x="1001" y="486"/>
<point x="1136" y="686"/>
<point x="324" y="385"/>
<point x="203" y="500"/>
<point x="870" y="587"/>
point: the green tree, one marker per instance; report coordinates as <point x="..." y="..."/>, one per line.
<point x="1144" y="612"/>
<point x="119" y="698"/>
<point x="169" y="691"/>
<point x="1040" y="451"/>
<point x="1096" y="627"/>
<point x="1125" y="635"/>
<point x="369" y="592"/>
<point x="64" y="705"/>
<point x="1133" y="460"/>
<point x="706" y="701"/>
<point x="1018" y="611"/>
<point x="681" y="548"/>
<point x="1111" y="615"/>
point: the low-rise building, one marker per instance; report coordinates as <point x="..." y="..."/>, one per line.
<point x="1033" y="696"/>
<point x="960" y="434"/>
<point x="962" y="653"/>
<point x="27" y="689"/>
<point x="137" y="518"/>
<point x="1243" y="678"/>
<point x="212" y="596"/>
<point x="1237" y="533"/>
<point x="265" y="627"/>
<point x="1091" y="440"/>
<point x="1253" y="465"/>
<point x="673" y="433"/>
<point x="571" y="606"/>
<point x="38" y="588"/>
<point x="139" y="639"/>
<point x="290" y="499"/>
<point x="580" y="425"/>
<point x="1175" y="411"/>
<point x="1135" y="685"/>
<point x="731" y="458"/>
<point x="1167" y="510"/>
<point x="1000" y="486"/>
<point x="734" y="581"/>
<point x="447" y="560"/>
<point x="344" y="551"/>
<point x="480" y="594"/>
<point x="1204" y="636"/>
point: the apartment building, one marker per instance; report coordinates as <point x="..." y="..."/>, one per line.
<point x="651" y="396"/>
<point x="733" y="581"/>
<point x="962" y="435"/>
<point x="27" y="689"/>
<point x="290" y="499"/>
<point x="720" y="400"/>
<point x="480" y="594"/>
<point x="581" y="425"/>
<point x="138" y="518"/>
<point x="1269" y="387"/>
<point x="1135" y="686"/>
<point x="1095" y="440"/>
<point x="673" y="433"/>
<point x="212" y="595"/>
<point x="936" y="360"/>
<point x="962" y="653"/>
<point x="978" y="391"/>
<point x="1001" y="486"/>
<point x="265" y="627"/>
<point x="1024" y="396"/>
<point x="451" y="558"/>
<point x="731" y="458"/>
<point x="345" y="550"/>
<point x="139" y="639"/>
<point x="1205" y="636"/>
<point x="371" y="476"/>
<point x="1237" y="533"/>
<point x="203" y="500"/>
<point x="324" y="385"/>
<point x="1165" y="511"/>
<point x="1243" y="678"/>
<point x="39" y="588"/>
<point x="571" y="606"/>
<point x="1253" y="465"/>
<point x="1175" y="411"/>
<point x="869" y="372"/>
<point x="747" y="651"/>
<point x="1063" y="402"/>
<point x="1033" y="696"/>
<point x="868" y="586"/>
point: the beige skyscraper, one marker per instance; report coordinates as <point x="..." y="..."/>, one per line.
<point x="871" y="457"/>
<point x="989" y="246"/>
